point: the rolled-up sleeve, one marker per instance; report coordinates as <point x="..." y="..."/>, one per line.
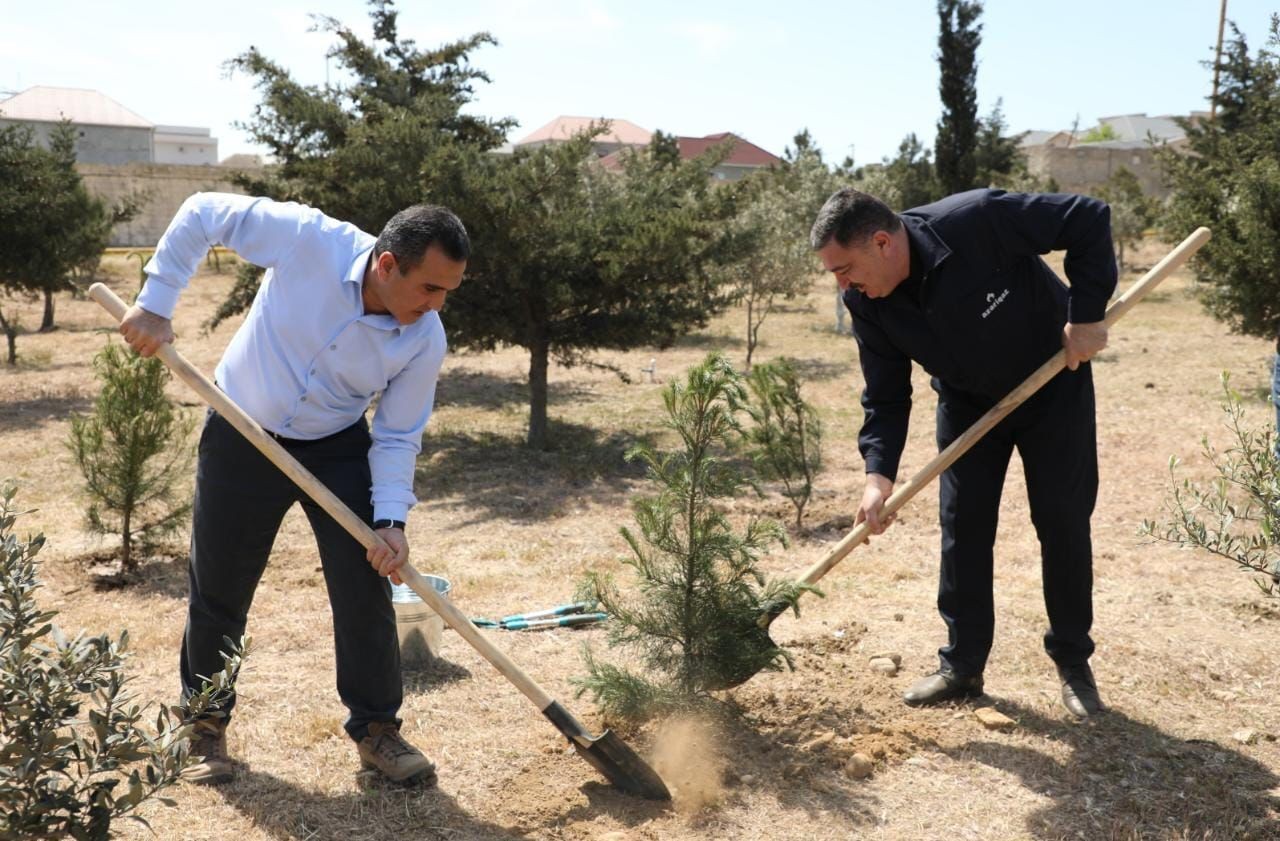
<point x="260" y="230"/>
<point x="1027" y="223"/>
<point x="886" y="398"/>
<point x="402" y="414"/>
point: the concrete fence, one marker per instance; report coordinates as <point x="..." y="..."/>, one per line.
<point x="166" y="185"/>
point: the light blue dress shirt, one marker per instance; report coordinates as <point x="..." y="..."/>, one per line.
<point x="308" y="361"/>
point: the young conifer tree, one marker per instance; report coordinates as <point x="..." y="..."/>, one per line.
<point x="132" y="450"/>
<point x="74" y="754"/>
<point x="692" y="619"/>
<point x="785" y="441"/>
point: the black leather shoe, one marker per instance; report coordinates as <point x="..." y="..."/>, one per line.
<point x="942" y="685"/>
<point x="1080" y="691"/>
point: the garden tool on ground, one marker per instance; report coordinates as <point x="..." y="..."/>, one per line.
<point x="607" y="753"/>
<point x="560" y="616"/>
<point x="759" y="631"/>
<point x="574" y="620"/>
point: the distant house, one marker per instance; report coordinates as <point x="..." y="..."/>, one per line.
<point x="622" y="134"/>
<point x="744" y="156"/>
<point x="106" y="131"/>
<point x="1081" y="167"/>
<point x="121" y="154"/>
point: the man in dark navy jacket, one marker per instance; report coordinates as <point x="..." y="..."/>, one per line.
<point x="958" y="286"/>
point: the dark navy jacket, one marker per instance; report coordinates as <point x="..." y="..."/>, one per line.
<point x="981" y="311"/>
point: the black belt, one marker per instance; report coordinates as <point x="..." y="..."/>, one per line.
<point x="308" y="442"/>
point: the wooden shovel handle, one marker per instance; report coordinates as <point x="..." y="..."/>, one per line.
<point x="983" y="425"/>
<point x="335" y="507"/>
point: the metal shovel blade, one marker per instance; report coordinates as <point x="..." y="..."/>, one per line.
<point x="756" y="637"/>
<point x="610" y="756"/>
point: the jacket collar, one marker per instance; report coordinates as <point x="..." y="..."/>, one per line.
<point x="928" y="244"/>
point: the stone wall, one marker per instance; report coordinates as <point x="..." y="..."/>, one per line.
<point x="167" y="186"/>
<point x="1084" y="168"/>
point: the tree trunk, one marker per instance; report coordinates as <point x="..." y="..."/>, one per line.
<point x="538" y="394"/>
<point x="46" y="323"/>
<point x="126" y="557"/>
<point x="751" y="332"/>
<point x="11" y="335"/>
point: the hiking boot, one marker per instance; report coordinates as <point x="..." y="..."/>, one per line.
<point x="942" y="685"/>
<point x="1080" y="690"/>
<point x="209" y="747"/>
<point x="386" y="751"/>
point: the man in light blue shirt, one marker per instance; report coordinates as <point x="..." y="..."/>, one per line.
<point x="340" y="318"/>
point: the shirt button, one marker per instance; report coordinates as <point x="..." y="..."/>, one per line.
<point x="313" y="372"/>
<point x="333" y="347"/>
<point x="288" y="423"/>
<point x="304" y="398"/>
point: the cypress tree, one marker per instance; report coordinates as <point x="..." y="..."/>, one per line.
<point x="959" y="35"/>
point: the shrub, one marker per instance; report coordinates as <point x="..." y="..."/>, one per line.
<point x="73" y="756"/>
<point x="1237" y="516"/>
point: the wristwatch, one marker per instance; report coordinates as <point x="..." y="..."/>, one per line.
<point x="388" y="524"/>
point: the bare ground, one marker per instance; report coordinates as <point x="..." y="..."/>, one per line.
<point x="1186" y="655"/>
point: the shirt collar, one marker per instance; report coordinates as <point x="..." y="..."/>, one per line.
<point x="356" y="275"/>
<point x="358" y="266"/>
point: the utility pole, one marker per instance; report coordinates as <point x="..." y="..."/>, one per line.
<point x="1217" y="62"/>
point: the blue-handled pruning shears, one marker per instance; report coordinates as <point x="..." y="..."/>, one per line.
<point x="561" y="616"/>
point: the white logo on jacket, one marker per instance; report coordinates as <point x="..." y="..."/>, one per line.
<point x="994" y="300"/>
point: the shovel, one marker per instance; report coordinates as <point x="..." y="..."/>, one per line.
<point x="607" y="753"/>
<point x="758" y="634"/>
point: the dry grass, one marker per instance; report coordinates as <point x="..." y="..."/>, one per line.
<point x="1185" y="657"/>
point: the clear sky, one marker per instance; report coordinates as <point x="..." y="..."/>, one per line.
<point x="859" y="75"/>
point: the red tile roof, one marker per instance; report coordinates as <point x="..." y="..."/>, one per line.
<point x="744" y="152"/>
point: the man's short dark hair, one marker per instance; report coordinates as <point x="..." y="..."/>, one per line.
<point x="850" y="217"/>
<point x="409" y="234"/>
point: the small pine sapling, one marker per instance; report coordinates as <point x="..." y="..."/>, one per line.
<point x="693" y="620"/>
<point x="785" y="440"/>
<point x="133" y="451"/>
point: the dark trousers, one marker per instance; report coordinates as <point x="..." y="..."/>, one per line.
<point x="241" y="499"/>
<point x="1055" y="434"/>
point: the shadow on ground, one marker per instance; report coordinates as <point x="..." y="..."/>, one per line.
<point x="24" y="415"/>
<point x="436" y="674"/>
<point x="484" y="390"/>
<point x="823" y="369"/>
<point x="498" y="475"/>
<point x="161" y="571"/>
<point x="287" y="811"/>
<point x="710" y="341"/>
<point x="1127" y="779"/>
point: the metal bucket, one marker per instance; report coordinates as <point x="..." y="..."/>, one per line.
<point x="419" y="627"/>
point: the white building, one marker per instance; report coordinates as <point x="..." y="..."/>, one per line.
<point x="185" y="145"/>
<point x="106" y="131"/>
